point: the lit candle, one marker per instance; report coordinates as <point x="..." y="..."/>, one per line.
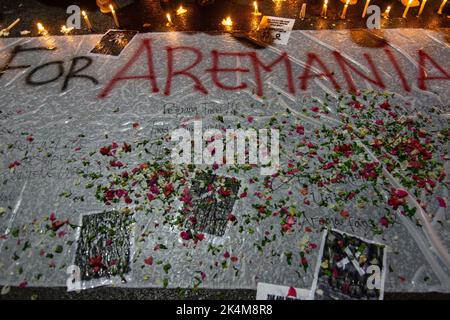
<point x="422" y="5"/>
<point x="303" y="11"/>
<point x="86" y="19"/>
<point x="256" y="11"/>
<point x="227" y="22"/>
<point x="41" y="29"/>
<point x="66" y="30"/>
<point x="344" y="11"/>
<point x="386" y="13"/>
<point x="365" y="8"/>
<point x="324" y="9"/>
<point x="442" y="6"/>
<point x="113" y="12"/>
<point x="169" y="20"/>
<point x="407" y="9"/>
<point x="181" y="11"/>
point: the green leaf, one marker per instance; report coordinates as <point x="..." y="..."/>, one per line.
<point x="59" y="249"/>
<point x="167" y="267"/>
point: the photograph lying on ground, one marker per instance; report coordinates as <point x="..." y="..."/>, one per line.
<point x="350" y="268"/>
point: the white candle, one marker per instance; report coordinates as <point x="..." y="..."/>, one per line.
<point x="407" y="9"/>
<point x="344" y="11"/>
<point x="66" y="30"/>
<point x="256" y="11"/>
<point x="169" y="20"/>
<point x="422" y="5"/>
<point x="116" y="21"/>
<point x="12" y="25"/>
<point x="86" y="19"/>
<point x="303" y="11"/>
<point x="365" y="8"/>
<point x="324" y="9"/>
<point x="386" y="13"/>
<point x="442" y="6"/>
<point x="5" y="31"/>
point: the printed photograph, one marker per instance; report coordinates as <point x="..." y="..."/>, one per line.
<point x="350" y="268"/>
<point x="114" y="42"/>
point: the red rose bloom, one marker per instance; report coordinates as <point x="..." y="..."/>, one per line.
<point x="185" y="235"/>
<point x="148" y="261"/>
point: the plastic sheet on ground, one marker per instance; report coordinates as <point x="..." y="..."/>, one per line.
<point x="87" y="180"/>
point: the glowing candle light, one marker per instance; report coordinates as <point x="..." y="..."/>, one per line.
<point x="181" y="11"/>
<point x="442" y="6"/>
<point x="344" y="11"/>
<point x="227" y="22"/>
<point x="169" y="20"/>
<point x="324" y="9"/>
<point x="66" y="30"/>
<point x="386" y="13"/>
<point x="422" y="5"/>
<point x="407" y="9"/>
<point x="86" y="19"/>
<point x="113" y="12"/>
<point x="41" y="29"/>
<point x="256" y="11"/>
<point x="303" y="11"/>
<point x="365" y="8"/>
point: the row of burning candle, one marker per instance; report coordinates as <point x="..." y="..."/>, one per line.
<point x="228" y="22"/>
<point x="323" y="14"/>
<point x="65" y="30"/>
<point x="385" y="14"/>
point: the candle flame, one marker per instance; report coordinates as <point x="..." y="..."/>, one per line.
<point x="41" y="29"/>
<point x="181" y="10"/>
<point x="227" y="22"/>
<point x="84" y="13"/>
<point x="66" y="30"/>
<point x="111" y="8"/>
